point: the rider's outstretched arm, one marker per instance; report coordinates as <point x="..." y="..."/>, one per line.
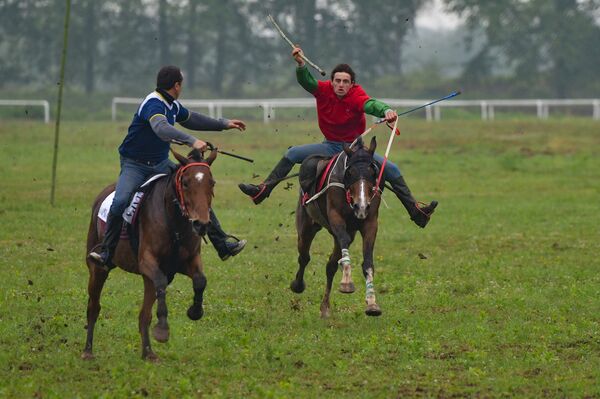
<point x="166" y="132"/>
<point x="198" y="121"/>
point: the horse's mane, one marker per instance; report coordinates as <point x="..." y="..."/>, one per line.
<point x="195" y="155"/>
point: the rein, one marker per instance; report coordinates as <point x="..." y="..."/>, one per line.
<point x="178" y="184"/>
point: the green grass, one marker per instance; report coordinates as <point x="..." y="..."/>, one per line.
<point x="506" y="303"/>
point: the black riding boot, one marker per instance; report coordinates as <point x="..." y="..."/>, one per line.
<point x="218" y="238"/>
<point x="103" y="260"/>
<point x="263" y="190"/>
<point x="418" y="214"/>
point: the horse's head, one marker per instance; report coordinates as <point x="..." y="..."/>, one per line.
<point x="360" y="177"/>
<point x="194" y="185"/>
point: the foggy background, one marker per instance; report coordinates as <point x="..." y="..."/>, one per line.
<point x="228" y="49"/>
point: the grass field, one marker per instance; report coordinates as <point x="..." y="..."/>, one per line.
<point x="498" y="297"/>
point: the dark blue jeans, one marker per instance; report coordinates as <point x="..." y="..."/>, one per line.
<point x="134" y="174"/>
<point x="299" y="153"/>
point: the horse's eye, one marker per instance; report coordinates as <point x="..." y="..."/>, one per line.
<point x="212" y="183"/>
<point x="184" y="184"/>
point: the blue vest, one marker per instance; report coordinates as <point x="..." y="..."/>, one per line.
<point x="141" y="143"/>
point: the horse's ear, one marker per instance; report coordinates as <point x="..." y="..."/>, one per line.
<point x="182" y="160"/>
<point x="360" y="143"/>
<point x="212" y="156"/>
<point x="347" y="150"/>
<point x="373" y="145"/>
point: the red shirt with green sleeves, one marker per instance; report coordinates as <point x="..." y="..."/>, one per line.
<point x="340" y="119"/>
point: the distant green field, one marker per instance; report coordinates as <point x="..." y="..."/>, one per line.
<point x="498" y="297"/>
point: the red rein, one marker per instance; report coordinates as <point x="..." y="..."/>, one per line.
<point x="178" y="184"/>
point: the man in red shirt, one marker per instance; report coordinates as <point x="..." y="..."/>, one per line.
<point x="341" y="108"/>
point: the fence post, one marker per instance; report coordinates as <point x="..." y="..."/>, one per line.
<point x="540" y="110"/>
<point x="46" y="111"/>
<point x="428" y="115"/>
<point x="113" y="108"/>
<point x="484" y="113"/>
<point x="596" y="113"/>
<point x="265" y="107"/>
<point x="491" y="114"/>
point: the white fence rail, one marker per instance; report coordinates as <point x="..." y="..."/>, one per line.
<point x="487" y="107"/>
<point x="26" y="103"/>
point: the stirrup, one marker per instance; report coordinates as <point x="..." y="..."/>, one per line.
<point x="239" y="246"/>
<point x="101" y="262"/>
<point x="423" y="215"/>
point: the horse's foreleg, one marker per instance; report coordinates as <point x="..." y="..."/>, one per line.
<point x="195" y="272"/>
<point x="149" y="267"/>
<point x="95" y="285"/>
<point x="332" y="266"/>
<point x="344" y="240"/>
<point x="369" y="233"/>
<point x="145" y="318"/>
<point x="306" y="233"/>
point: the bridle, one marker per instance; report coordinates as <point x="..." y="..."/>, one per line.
<point x="179" y="184"/>
<point x="375" y="189"/>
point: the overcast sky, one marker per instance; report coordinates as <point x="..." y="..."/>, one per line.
<point x="433" y="16"/>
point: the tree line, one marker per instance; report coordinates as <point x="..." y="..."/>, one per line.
<point x="227" y="48"/>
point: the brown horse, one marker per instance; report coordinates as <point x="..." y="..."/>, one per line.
<point x="170" y="222"/>
<point x="349" y="205"/>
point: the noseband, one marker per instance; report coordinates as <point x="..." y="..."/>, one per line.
<point x="178" y="184"/>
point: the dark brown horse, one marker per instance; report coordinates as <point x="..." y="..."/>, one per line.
<point x="349" y="205"/>
<point x="170" y="222"/>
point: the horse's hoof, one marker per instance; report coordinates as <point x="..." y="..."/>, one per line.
<point x="347" y="288"/>
<point x="297" y="286"/>
<point x="373" y="310"/>
<point x="195" y="312"/>
<point x="151" y="357"/>
<point x="325" y="313"/>
<point x="160" y="334"/>
<point x="87" y="355"/>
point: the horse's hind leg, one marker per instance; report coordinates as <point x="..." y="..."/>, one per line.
<point x="95" y="284"/>
<point x="145" y="318"/>
<point x="306" y="233"/>
<point x="332" y="266"/>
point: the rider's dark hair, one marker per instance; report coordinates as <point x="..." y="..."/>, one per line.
<point x="168" y="76"/>
<point x="344" y="68"/>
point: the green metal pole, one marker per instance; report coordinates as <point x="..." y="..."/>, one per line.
<point x="60" y="93"/>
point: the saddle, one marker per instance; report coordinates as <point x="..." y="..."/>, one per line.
<point x="310" y="171"/>
<point x="131" y="212"/>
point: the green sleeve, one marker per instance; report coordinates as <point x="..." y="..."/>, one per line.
<point x="376" y="108"/>
<point x="306" y="80"/>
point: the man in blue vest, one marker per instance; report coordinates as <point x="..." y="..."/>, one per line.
<point x="145" y="152"/>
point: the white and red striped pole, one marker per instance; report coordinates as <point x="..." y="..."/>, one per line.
<point x="387" y="152"/>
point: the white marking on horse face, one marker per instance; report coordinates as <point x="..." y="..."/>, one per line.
<point x="361" y="212"/>
<point x="199" y="176"/>
<point x="362" y="198"/>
